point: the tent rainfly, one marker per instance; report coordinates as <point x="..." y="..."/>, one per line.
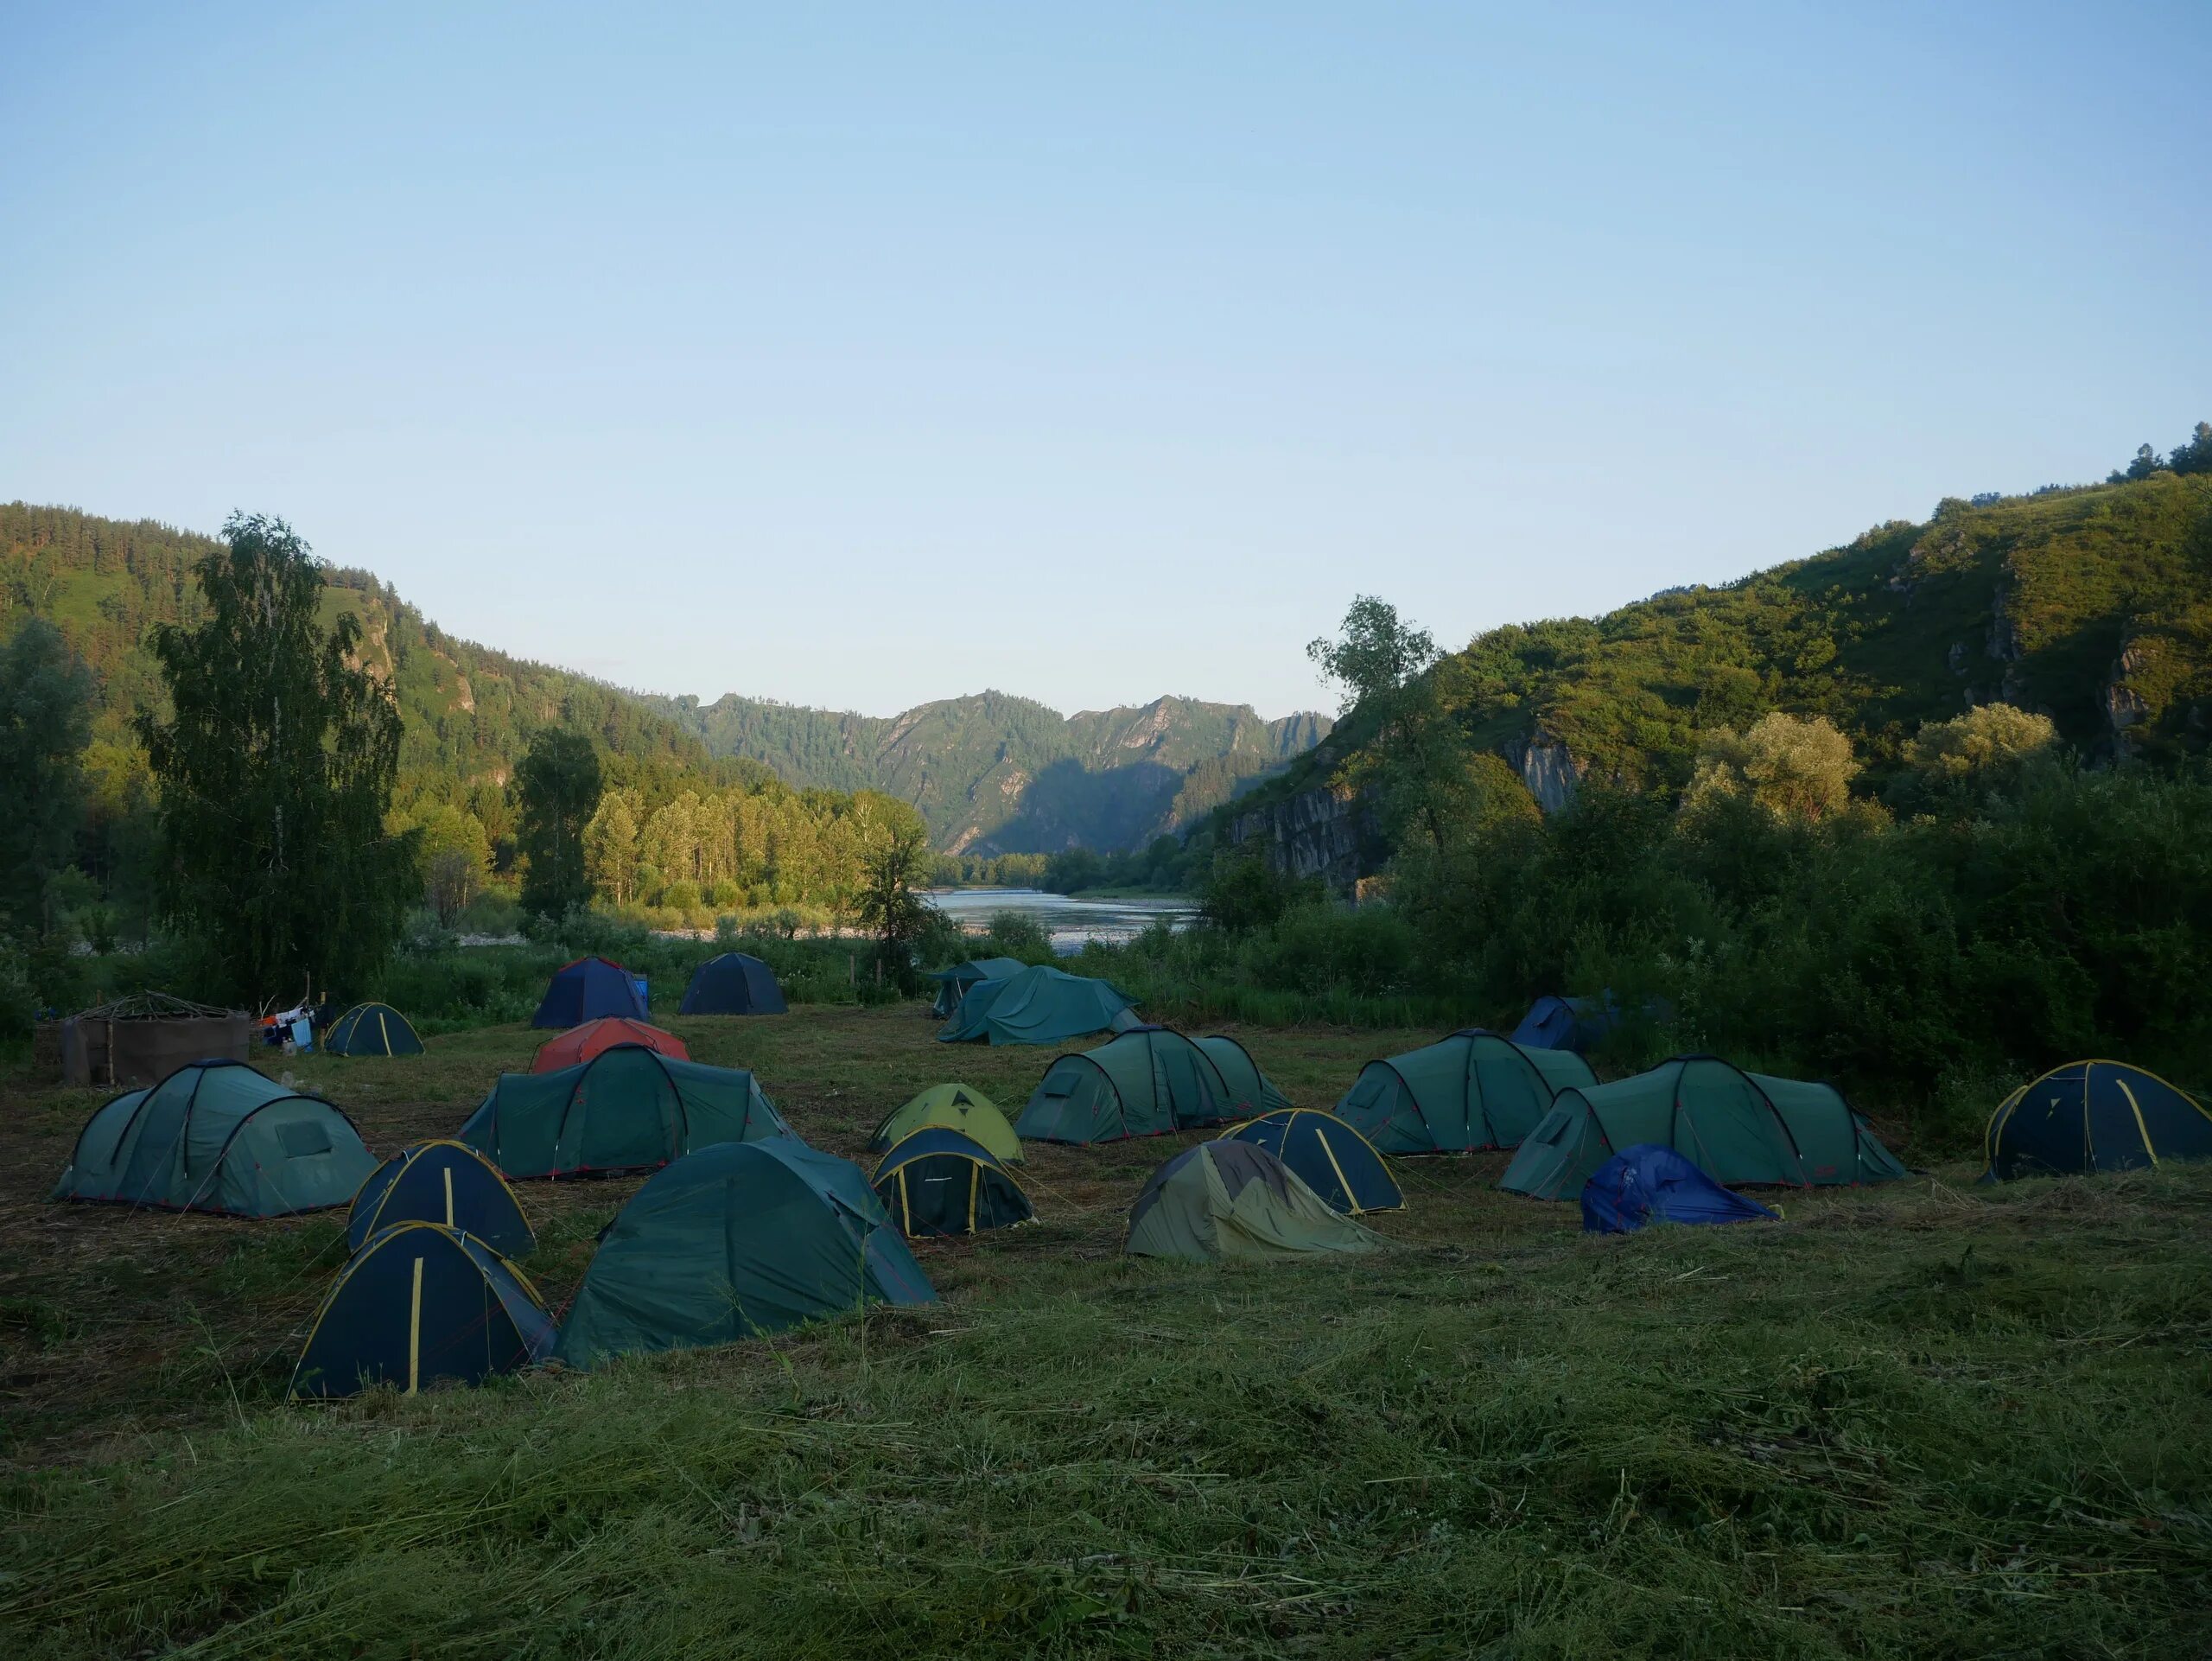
<point x="628" y="1108"/>
<point x="1334" y="1160"/>
<point x="585" y="1043"/>
<point x="444" y="1182"/>
<point x="589" y="988"/>
<point x="951" y="1107"/>
<point x="733" y="985"/>
<point x="1040" y="1005"/>
<point x="953" y="983"/>
<point x="1473" y="1090"/>
<point x="938" y="1181"/>
<point x="2094" y="1116"/>
<point x="371" y="1029"/>
<point x="1651" y="1184"/>
<point x="1229" y="1199"/>
<point x="1146" y="1083"/>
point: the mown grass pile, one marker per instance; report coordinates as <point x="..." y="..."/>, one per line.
<point x="1930" y="1419"/>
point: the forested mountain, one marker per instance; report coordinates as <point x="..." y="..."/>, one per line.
<point x="988" y="773"/>
<point x="2091" y="605"/>
<point x="994" y="773"/>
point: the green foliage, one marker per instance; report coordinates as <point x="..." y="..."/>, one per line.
<point x="45" y="722"/>
<point x="1793" y="767"/>
<point x="275" y="769"/>
<point x="556" y="790"/>
<point x="1374" y="654"/>
<point x="891" y="869"/>
<point x="1014" y="934"/>
<point x="1245" y="891"/>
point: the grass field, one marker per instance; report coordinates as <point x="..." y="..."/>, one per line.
<point x="1926" y="1420"/>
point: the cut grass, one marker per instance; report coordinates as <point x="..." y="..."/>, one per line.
<point x="1928" y="1419"/>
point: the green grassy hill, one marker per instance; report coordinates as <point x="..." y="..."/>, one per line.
<point x="989" y="772"/>
<point x="2092" y="605"/>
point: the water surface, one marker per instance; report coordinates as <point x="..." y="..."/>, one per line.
<point x="1068" y="921"/>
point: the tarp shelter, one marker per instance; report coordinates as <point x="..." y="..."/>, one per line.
<point x="2094" y="1116"/>
<point x="142" y="1039"/>
<point x="1736" y="1127"/>
<point x="587" y="988"/>
<point x="371" y="1029"/>
<point x="952" y="984"/>
<point x="444" y="1182"/>
<point x="952" y="1107"/>
<point x="422" y="1304"/>
<point x="1041" y="1005"/>
<point x="1651" y="1184"/>
<point x="733" y="985"/>
<point x="938" y="1181"/>
<point x="628" y="1108"/>
<point x="1146" y="1083"/>
<point x="1333" y="1159"/>
<point x="1231" y="1199"/>
<point x="1473" y="1090"/>
<point x="737" y="1241"/>
<point x="595" y="1038"/>
<point x="216" y="1135"/>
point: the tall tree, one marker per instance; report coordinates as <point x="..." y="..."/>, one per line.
<point x="46" y="695"/>
<point x="557" y="788"/>
<point x="891" y="871"/>
<point x="276" y="775"/>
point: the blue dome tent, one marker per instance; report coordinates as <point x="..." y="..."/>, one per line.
<point x="1336" y="1160"/>
<point x="733" y="985"/>
<point x="587" y="989"/>
<point x="444" y="1182"/>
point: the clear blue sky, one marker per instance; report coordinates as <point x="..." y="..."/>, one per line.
<point x="860" y="355"/>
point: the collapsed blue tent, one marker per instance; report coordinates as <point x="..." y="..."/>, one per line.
<point x="1652" y="1183"/>
<point x="587" y="989"/>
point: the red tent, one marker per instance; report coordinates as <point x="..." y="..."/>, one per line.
<point x="580" y="1044"/>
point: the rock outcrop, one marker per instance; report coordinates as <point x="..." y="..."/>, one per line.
<point x="1323" y="832"/>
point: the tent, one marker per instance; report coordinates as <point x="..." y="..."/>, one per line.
<point x="1146" y="1083"/>
<point x="216" y="1136"/>
<point x="1739" y="1128"/>
<point x="582" y="1043"/>
<point x="371" y="1029"/>
<point x="1556" y="1024"/>
<point x="444" y="1182"/>
<point x="737" y="1241"/>
<point x="953" y="1107"/>
<point x="1473" y="1089"/>
<point x="953" y="983"/>
<point x="1250" y="1090"/>
<point x="627" y="1109"/>
<point x="589" y="988"/>
<point x="1231" y="1199"/>
<point x="733" y="985"/>
<point x="420" y="1303"/>
<point x="1040" y="1005"/>
<point x="2094" y="1116"/>
<point x="141" y="1039"/>
<point x="1331" y="1157"/>
<point x="938" y="1181"/>
<point x="1649" y="1183"/>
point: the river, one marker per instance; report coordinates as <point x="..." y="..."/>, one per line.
<point x="1068" y="920"/>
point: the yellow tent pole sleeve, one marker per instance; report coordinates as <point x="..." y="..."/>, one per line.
<point x="415" y="1331"/>
<point x="447" y="1174"/>
<point x="2136" y="1109"/>
<point x="1322" y="1136"/>
<point x="975" y="1181"/>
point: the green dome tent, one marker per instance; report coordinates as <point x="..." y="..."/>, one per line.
<point x="1473" y="1090"/>
<point x="1146" y="1083"/>
<point x="371" y="1029"/>
<point x="951" y="1107"/>
<point x="938" y="1181"/>
<point x="1038" y="1006"/>
<point x="216" y="1136"/>
<point x="420" y="1303"/>
<point x="1232" y="1199"/>
<point x="1740" y="1129"/>
<point x="737" y="1241"/>
<point x="2094" y="1116"/>
<point x="444" y="1182"/>
<point x="954" y="984"/>
<point x="627" y="1109"/>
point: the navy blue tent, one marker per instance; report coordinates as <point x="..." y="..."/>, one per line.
<point x="1554" y="1023"/>
<point x="446" y="1182"/>
<point x="587" y="989"/>
<point x="419" y="1304"/>
<point x="733" y="985"/>
<point x="1336" y="1160"/>
<point x="938" y="1181"/>
<point x="1652" y="1183"/>
<point x="2094" y="1116"/>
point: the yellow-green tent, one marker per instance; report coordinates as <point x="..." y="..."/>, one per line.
<point x="951" y="1107"/>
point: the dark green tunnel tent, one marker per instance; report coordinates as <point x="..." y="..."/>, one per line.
<point x="1331" y="1157"/>
<point x="422" y="1304"/>
<point x="1040" y="1005"/>
<point x="2094" y="1116"/>
<point x="736" y="1241"/>
<point x="627" y="1109"/>
<point x="371" y="1029"/>
<point x="1740" y="1129"/>
<point x="1474" y="1090"/>
<point x="1147" y="1082"/>
<point x="444" y="1182"/>
<point x="954" y="984"/>
<point x="1250" y="1090"/>
<point x="733" y="985"/>
<point x="216" y="1136"/>
<point x="938" y="1181"/>
<point x="1229" y="1199"/>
